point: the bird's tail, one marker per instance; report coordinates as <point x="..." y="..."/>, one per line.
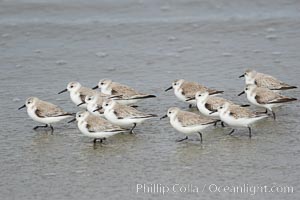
<point x="144" y="96"/>
<point x="288" y="87"/>
<point x="216" y="92"/>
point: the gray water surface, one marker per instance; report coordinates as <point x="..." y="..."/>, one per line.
<point x="146" y="45"/>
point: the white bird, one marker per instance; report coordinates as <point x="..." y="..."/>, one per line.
<point x="236" y="116"/>
<point x="122" y="115"/>
<point x="265" y="98"/>
<point x="78" y="93"/>
<point x="129" y="95"/>
<point x="207" y="103"/>
<point x="93" y="103"/>
<point x="188" y="122"/>
<point x="44" y="112"/>
<point x="95" y="127"/>
<point x="265" y="81"/>
<point x="184" y="90"/>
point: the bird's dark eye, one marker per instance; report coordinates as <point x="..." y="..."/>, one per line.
<point x="175" y="83"/>
<point x="199" y="95"/>
<point x="71" y="86"/>
<point x="29" y="102"/>
<point x="102" y="83"/>
<point x="79" y="115"/>
<point x="221" y="107"/>
<point x="246" y="89"/>
<point x="106" y="104"/>
<point x="89" y="99"/>
<point x="169" y="112"/>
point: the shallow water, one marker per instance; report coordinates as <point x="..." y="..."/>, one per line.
<point x="145" y="45"/>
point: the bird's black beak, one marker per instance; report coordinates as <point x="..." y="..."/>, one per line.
<point x="241" y="93"/>
<point x="212" y="112"/>
<point x="73" y="120"/>
<point x="189" y="99"/>
<point x="63" y="91"/>
<point x="96" y="87"/>
<point x="163" y="117"/>
<point x="97" y="109"/>
<point x="241" y="76"/>
<point x="22" y="107"/>
<point x="169" y="88"/>
<point x="81" y="104"/>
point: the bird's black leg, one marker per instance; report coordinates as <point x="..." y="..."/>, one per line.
<point x="215" y="124"/>
<point x="274" y="116"/>
<point x="231" y="131"/>
<point x="131" y="131"/>
<point x="95" y="140"/>
<point x="52" y="129"/>
<point x="40" y="127"/>
<point x="222" y="123"/>
<point x="249" y="132"/>
<point x="266" y="111"/>
<point x="200" y="134"/>
<point x="180" y="140"/>
<point x="190" y="106"/>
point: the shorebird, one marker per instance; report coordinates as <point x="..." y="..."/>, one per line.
<point x="93" y="103"/>
<point x="264" y="97"/>
<point x="188" y="122"/>
<point x="129" y="95"/>
<point x="184" y="90"/>
<point x="44" y="112"/>
<point x="78" y="93"/>
<point x="206" y="104"/>
<point x="122" y="115"/>
<point x="237" y="116"/>
<point x="95" y="127"/>
<point x="265" y="80"/>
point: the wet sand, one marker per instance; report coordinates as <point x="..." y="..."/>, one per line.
<point x="145" y="45"/>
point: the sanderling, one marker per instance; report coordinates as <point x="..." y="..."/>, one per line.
<point x="123" y="115"/>
<point x="129" y="95"/>
<point x="206" y="103"/>
<point x="44" y="112"/>
<point x="78" y="93"/>
<point x="184" y="90"/>
<point x="188" y="122"/>
<point x="237" y="116"/>
<point x="95" y="127"/>
<point x="264" y="97"/>
<point x="265" y="80"/>
<point x="93" y="103"/>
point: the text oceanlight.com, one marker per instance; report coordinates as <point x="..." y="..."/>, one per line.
<point x="157" y="188"/>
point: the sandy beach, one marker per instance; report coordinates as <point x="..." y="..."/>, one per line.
<point x="145" y="44"/>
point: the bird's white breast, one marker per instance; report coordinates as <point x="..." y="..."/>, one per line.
<point x="181" y="97"/>
<point x="75" y="97"/>
<point x="186" y="130"/>
<point x="203" y="110"/>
